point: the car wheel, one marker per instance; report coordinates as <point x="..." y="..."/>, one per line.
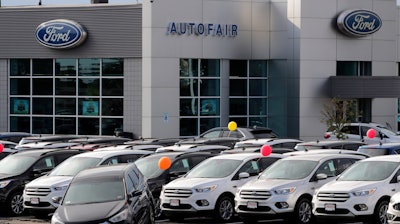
<point x="15" y="204"/>
<point x="380" y="212"/>
<point x="224" y="209"/>
<point x="303" y="212"/>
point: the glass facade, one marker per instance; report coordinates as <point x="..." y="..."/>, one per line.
<point x="66" y="96"/>
<point x="200" y="94"/>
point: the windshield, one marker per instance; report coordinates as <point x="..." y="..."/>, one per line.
<point x="95" y="190"/>
<point x="369" y="171"/>
<point x="16" y="164"/>
<point x="149" y="166"/>
<point x="214" y="168"/>
<point x="289" y="169"/>
<point x="74" y="165"/>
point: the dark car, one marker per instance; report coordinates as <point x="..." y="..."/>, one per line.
<point x="13" y="136"/>
<point x="330" y="144"/>
<point x="21" y="167"/>
<point x="224" y="136"/>
<point x="110" y="194"/>
<point x="389" y="148"/>
<point x="181" y="163"/>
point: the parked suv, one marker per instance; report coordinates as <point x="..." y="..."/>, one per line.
<point x="361" y="192"/>
<point x="286" y="188"/>
<point x="210" y="187"/>
<point x="107" y="194"/>
<point x="39" y="192"/>
<point x="181" y="163"/>
<point x="358" y="132"/>
<point x="19" y="168"/>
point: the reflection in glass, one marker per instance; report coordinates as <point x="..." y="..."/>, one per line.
<point x="112" y="87"/>
<point x="20" y="124"/>
<point x="65" y="125"/>
<point x="20" y="67"/>
<point x="209" y="107"/>
<point x="20" y="86"/>
<point x="109" y="125"/>
<point x="65" y="106"/>
<point x="65" y="67"/>
<point x="88" y="126"/>
<point x="209" y="68"/>
<point x="113" y="67"/>
<point x="258" y="68"/>
<point x="65" y="86"/>
<point x="258" y="121"/>
<point x="112" y="107"/>
<point x="210" y="87"/>
<point x="42" y="125"/>
<point x="42" y="86"/>
<point x="88" y="107"/>
<point x="188" y="67"/>
<point x="258" y="87"/>
<point x="188" y="87"/>
<point x="208" y="123"/>
<point x="258" y="106"/>
<point x="42" y="67"/>
<point x="42" y="106"/>
<point x="88" y="87"/>
<point x="188" y="107"/>
<point x="89" y="67"/>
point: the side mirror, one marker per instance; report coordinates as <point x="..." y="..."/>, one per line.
<point x="56" y="200"/>
<point x="322" y="176"/>
<point x="244" y="175"/>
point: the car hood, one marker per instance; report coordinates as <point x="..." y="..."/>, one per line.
<point x="50" y="181"/>
<point x="347" y="186"/>
<point x="269" y="184"/>
<point x="194" y="182"/>
<point x="88" y="212"/>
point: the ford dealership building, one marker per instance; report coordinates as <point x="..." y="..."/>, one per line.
<point x="168" y="68"/>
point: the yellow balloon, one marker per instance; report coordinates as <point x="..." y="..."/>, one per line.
<point x="232" y="126"/>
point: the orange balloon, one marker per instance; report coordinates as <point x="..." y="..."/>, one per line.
<point x="164" y="163"/>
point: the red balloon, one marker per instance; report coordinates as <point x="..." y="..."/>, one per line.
<point x="1" y="148"/>
<point x="266" y="150"/>
<point x="371" y="133"/>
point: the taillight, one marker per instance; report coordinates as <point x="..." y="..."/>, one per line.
<point x="327" y="135"/>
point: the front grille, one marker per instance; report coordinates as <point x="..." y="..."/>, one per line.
<point x="37" y="191"/>
<point x="177" y="193"/>
<point x="333" y="197"/>
<point x="341" y="211"/>
<point x="258" y="209"/>
<point x="255" y="194"/>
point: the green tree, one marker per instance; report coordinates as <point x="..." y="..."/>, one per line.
<point x="337" y="113"/>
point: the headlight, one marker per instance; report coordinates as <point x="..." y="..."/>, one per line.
<point x="287" y="190"/>
<point x="205" y="189"/>
<point x="123" y="215"/>
<point x="3" y="184"/>
<point x="60" y="188"/>
<point x="364" y="192"/>
<point x="55" y="219"/>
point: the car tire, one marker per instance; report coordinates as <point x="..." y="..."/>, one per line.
<point x="303" y="212"/>
<point x="224" y="209"/>
<point x="15" y="204"/>
<point x="380" y="212"/>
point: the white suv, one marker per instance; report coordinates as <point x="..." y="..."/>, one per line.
<point x="361" y="192"/>
<point x="211" y="185"/>
<point x="285" y="189"/>
<point x="39" y="192"/>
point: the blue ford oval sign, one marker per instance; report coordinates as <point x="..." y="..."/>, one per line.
<point x="60" y="34"/>
<point x="358" y="23"/>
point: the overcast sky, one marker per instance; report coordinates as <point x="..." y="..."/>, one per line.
<point x="58" y="2"/>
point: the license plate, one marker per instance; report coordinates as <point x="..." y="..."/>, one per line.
<point x="330" y="207"/>
<point x="251" y="204"/>
<point x="174" y="202"/>
<point x="34" y="201"/>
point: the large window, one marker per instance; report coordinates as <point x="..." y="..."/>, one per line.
<point x="199" y="95"/>
<point x="248" y="92"/>
<point x="66" y="96"/>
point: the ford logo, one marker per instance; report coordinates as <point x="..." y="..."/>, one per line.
<point x="60" y="34"/>
<point x="358" y="23"/>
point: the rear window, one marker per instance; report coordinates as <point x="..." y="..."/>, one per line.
<point x="265" y="133"/>
<point x="375" y="151"/>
